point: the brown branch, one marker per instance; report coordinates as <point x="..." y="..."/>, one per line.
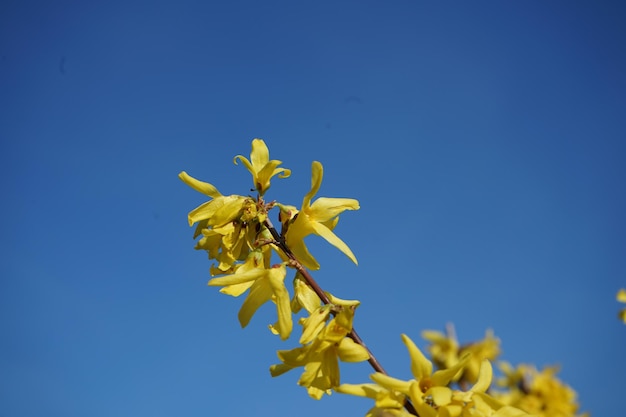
<point x="280" y="242"/>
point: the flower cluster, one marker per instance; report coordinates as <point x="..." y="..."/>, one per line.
<point x="433" y="393"/>
<point x="242" y="243"/>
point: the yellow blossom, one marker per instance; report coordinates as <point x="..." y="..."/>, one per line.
<point x="264" y="284"/>
<point x="323" y="347"/>
<point x="488" y="348"/>
<point x="319" y="218"/>
<point x="227" y="223"/>
<point x="621" y="297"/>
<point x="540" y="393"/>
<point x="260" y="166"/>
<point x="444" y="348"/>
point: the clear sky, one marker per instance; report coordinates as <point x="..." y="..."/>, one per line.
<point x="485" y="141"/>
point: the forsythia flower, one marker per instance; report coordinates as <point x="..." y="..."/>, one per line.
<point x="540" y="393"/>
<point x="319" y="218"/>
<point x="265" y="284"/>
<point x="488" y="348"/>
<point x="227" y="223"/>
<point x="621" y="297"/>
<point x="444" y="348"/>
<point x="260" y="166"/>
<point x="323" y="346"/>
<point x="445" y="351"/>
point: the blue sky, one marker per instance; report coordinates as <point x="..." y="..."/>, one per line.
<point x="485" y="142"/>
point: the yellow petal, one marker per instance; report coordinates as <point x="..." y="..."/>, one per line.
<point x="484" y="377"/>
<point x="311" y="372"/>
<point x="304" y="296"/>
<point x="238" y="278"/>
<point x="621" y="295"/>
<point x="301" y="252"/>
<point x="246" y="162"/>
<point x="350" y="351"/>
<point x="260" y="293"/>
<point x="283" y="308"/>
<point x="508" y="411"/>
<point x="317" y="173"/>
<point x="332" y="238"/>
<point x="330" y="369"/>
<point x="440" y="395"/>
<point x="209" y="209"/>
<point x="312" y="325"/>
<point x="420" y="366"/>
<point x="391" y="383"/>
<point x="325" y="208"/>
<point x="260" y="154"/>
<point x="295" y="357"/>
<point x="452" y="410"/>
<point x="444" y="376"/>
<point x="229" y="211"/>
<point x="266" y="172"/>
<point x="236" y="289"/>
<point x="203" y="187"/>
<point x="279" y="369"/>
<point x="360" y="390"/>
<point x="340" y="302"/>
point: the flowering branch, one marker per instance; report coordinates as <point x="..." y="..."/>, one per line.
<point x="238" y="235"/>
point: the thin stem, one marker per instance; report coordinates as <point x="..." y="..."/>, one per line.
<point x="280" y="242"/>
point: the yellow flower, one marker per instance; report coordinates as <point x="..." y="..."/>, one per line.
<point x="444" y="348"/>
<point x="260" y="166"/>
<point x="227" y="223"/>
<point x="540" y="393"/>
<point x="323" y="347"/>
<point x="218" y="211"/>
<point x="265" y="284"/>
<point x="319" y="218"/>
<point x="621" y="297"/>
<point x="488" y="348"/>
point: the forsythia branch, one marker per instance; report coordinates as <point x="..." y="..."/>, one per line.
<point x="237" y="234"/>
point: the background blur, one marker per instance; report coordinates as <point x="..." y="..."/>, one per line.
<point x="485" y="142"/>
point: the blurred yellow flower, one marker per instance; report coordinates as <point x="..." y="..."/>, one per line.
<point x="319" y="218"/>
<point x="488" y="348"/>
<point x="621" y="297"/>
<point x="444" y="348"/>
<point x="539" y="393"/>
